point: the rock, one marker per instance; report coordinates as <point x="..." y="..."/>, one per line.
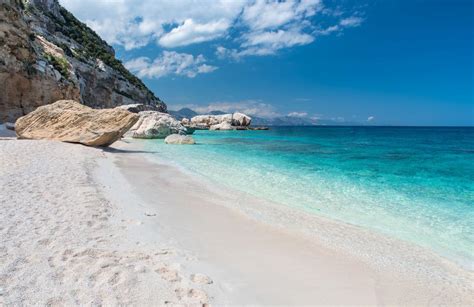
<point x="70" y="121"/>
<point x="10" y="126"/>
<point x="156" y="125"/>
<point x="179" y="139"/>
<point x="185" y="121"/>
<point x="137" y="107"/>
<point x="47" y="55"/>
<point x="220" y="122"/>
<point x="222" y="126"/>
<point x="240" y="119"/>
<point x="258" y="128"/>
<point x="210" y="120"/>
<point x="190" y="129"/>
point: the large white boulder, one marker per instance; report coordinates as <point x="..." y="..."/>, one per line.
<point x="179" y="139"/>
<point x="156" y="125"/>
<point x="70" y="121"/>
<point x="209" y="120"/>
<point x="240" y="119"/>
<point x="222" y="126"/>
<point x="220" y="122"/>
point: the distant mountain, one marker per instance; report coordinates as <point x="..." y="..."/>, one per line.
<point x="183" y="113"/>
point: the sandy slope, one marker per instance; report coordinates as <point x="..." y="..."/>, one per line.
<point x="62" y="242"/>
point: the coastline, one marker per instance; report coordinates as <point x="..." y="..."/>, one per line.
<point x="158" y="226"/>
<point x="401" y="272"/>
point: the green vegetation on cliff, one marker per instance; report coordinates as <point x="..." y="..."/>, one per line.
<point x="93" y="47"/>
<point x="60" y="64"/>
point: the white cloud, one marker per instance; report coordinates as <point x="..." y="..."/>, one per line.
<point x="190" y="32"/>
<point x="298" y="114"/>
<point x="136" y="23"/>
<point x="170" y="63"/>
<point x="223" y="53"/>
<point x="259" y="27"/>
<point x="263" y="14"/>
<point x="370" y="118"/>
<point x="249" y="107"/>
<point x="352" y="21"/>
<point x="271" y="41"/>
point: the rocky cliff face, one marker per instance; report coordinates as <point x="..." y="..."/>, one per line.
<point x="46" y="54"/>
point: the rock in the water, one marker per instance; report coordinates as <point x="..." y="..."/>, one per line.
<point x="137" y="107"/>
<point x="240" y="119"/>
<point x="70" y="121"/>
<point x="156" y="125"/>
<point x="222" y="126"/>
<point x="10" y="126"/>
<point x="220" y="122"/>
<point x="179" y="139"/>
<point x="210" y="120"/>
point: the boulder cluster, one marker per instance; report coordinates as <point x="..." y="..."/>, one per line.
<point x="233" y="121"/>
<point x="71" y="121"/>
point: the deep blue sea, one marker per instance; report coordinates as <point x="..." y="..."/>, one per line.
<point x="415" y="184"/>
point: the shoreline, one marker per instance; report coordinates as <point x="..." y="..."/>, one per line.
<point x="403" y="261"/>
<point x="118" y="226"/>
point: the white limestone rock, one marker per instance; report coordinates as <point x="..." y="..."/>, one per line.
<point x="222" y="126"/>
<point x="240" y="119"/>
<point x="179" y="139"/>
<point x="209" y="120"/>
<point x="156" y="125"/>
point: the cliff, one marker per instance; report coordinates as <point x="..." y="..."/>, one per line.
<point x="46" y="54"/>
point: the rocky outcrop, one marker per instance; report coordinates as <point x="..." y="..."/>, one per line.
<point x="70" y="121"/>
<point x="240" y="119"/>
<point x="210" y="120"/>
<point x="155" y="125"/>
<point x="136" y="107"/>
<point x="46" y="54"/>
<point x="222" y="126"/>
<point x="179" y="139"/>
<point x="10" y="126"/>
<point x="220" y="122"/>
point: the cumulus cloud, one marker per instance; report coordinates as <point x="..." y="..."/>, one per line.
<point x="170" y="63"/>
<point x="136" y="23"/>
<point x="268" y="42"/>
<point x="263" y="14"/>
<point x="257" y="27"/>
<point x="191" y="32"/>
<point x="250" y="107"/>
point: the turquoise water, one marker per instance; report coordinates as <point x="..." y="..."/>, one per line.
<point x="415" y="184"/>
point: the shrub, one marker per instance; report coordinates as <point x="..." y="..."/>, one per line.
<point x="59" y="63"/>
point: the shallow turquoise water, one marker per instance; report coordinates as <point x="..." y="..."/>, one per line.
<point x="416" y="184"/>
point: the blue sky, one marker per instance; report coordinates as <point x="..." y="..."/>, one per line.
<point x="379" y="62"/>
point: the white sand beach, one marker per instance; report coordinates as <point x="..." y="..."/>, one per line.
<point x="83" y="225"/>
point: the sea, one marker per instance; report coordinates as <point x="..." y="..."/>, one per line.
<point x="411" y="183"/>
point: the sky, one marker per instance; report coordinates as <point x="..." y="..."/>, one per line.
<point x="387" y="62"/>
